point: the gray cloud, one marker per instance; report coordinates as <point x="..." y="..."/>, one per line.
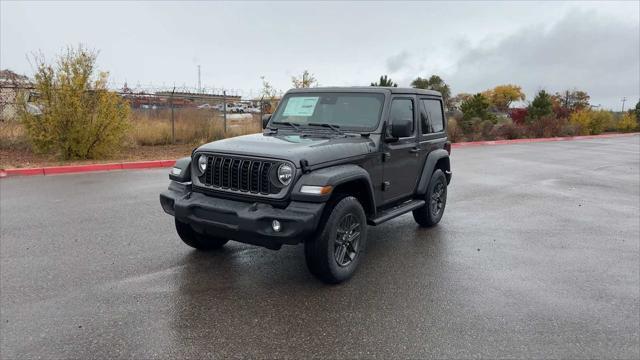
<point x="398" y="62"/>
<point x="597" y="54"/>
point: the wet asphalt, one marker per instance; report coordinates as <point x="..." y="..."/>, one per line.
<point x="537" y="256"/>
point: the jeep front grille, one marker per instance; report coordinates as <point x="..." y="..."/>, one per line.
<point x="229" y="173"/>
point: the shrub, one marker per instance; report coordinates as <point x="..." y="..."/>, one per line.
<point x="600" y="120"/>
<point x="569" y="129"/>
<point x="546" y="126"/>
<point x="591" y="122"/>
<point x="508" y="131"/>
<point x="581" y="119"/>
<point x="486" y="130"/>
<point x="518" y="115"/>
<point x="627" y="123"/>
<point x="80" y="118"/>
<point x="454" y="130"/>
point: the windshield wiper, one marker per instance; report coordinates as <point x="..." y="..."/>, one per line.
<point x="335" y="128"/>
<point x="289" y="123"/>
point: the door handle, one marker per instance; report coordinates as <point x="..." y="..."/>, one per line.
<point x="415" y="150"/>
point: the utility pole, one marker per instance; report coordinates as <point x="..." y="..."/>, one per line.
<point x="199" y="84"/>
<point x="624" y="99"/>
<point x="224" y="109"/>
<point x="173" y="120"/>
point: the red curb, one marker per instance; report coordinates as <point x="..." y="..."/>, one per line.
<point x="22" y="172"/>
<point x="66" y="169"/>
<point x="52" y="170"/>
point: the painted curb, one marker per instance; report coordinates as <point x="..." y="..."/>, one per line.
<point x="67" y="169"/>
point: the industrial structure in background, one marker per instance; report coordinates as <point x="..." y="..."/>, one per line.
<point x="16" y="89"/>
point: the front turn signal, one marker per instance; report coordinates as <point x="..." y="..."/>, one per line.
<point x="316" y="190"/>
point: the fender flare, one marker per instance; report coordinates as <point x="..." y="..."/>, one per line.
<point x="334" y="176"/>
<point x="183" y="164"/>
<point x="428" y="168"/>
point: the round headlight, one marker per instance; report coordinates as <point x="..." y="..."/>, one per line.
<point x="202" y="164"/>
<point x="285" y="173"/>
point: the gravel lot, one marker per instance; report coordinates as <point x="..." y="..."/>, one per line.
<point x="537" y="256"/>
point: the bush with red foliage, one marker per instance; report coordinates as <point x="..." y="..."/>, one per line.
<point x="518" y="115"/>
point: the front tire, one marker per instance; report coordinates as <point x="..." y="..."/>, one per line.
<point x="436" y="200"/>
<point x="196" y="240"/>
<point x="334" y="254"/>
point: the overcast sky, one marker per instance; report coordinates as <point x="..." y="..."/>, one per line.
<point x="593" y="46"/>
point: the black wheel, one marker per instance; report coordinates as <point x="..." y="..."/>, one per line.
<point x="436" y="198"/>
<point x="196" y="240"/>
<point x="333" y="255"/>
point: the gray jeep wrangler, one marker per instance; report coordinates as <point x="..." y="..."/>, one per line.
<point x="329" y="162"/>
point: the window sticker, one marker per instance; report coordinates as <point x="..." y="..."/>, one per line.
<point x="300" y="106"/>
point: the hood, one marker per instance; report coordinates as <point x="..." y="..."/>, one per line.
<point x="293" y="147"/>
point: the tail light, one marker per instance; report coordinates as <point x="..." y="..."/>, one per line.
<point x="447" y="147"/>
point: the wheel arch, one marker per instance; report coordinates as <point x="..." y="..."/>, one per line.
<point x="345" y="179"/>
<point x="438" y="159"/>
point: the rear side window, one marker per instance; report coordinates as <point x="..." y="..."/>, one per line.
<point x="433" y="122"/>
<point x="402" y="109"/>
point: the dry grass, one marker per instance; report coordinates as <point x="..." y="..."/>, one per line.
<point x="149" y="137"/>
<point x="192" y="126"/>
<point x="13" y="136"/>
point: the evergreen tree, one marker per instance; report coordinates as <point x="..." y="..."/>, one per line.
<point x="384" y="81"/>
<point x="540" y="106"/>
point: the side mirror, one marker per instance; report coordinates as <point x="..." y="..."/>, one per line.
<point x="265" y="120"/>
<point x="401" y="128"/>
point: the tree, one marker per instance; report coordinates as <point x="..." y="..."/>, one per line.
<point x="475" y="107"/>
<point x="269" y="96"/>
<point x="503" y="95"/>
<point x="638" y="111"/>
<point x="455" y="102"/>
<point x="540" y="106"/>
<point x="434" y="82"/>
<point x="80" y="118"/>
<point x="306" y="80"/>
<point x="571" y="101"/>
<point x="384" y="81"/>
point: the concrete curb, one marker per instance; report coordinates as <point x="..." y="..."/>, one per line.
<point x="67" y="169"/>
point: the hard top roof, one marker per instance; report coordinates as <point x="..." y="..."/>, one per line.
<point x="374" y="89"/>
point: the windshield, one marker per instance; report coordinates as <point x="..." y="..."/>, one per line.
<point x="356" y="111"/>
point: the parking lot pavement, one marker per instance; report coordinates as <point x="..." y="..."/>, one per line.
<point x="537" y="256"/>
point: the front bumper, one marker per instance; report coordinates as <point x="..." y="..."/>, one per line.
<point x="241" y="221"/>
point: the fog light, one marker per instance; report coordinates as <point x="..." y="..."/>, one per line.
<point x="275" y="225"/>
<point x="176" y="171"/>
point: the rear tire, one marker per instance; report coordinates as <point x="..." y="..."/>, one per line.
<point x="436" y="200"/>
<point x="334" y="254"/>
<point x="196" y="240"/>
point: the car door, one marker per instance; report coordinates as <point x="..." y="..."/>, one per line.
<point x="432" y="126"/>
<point x="400" y="166"/>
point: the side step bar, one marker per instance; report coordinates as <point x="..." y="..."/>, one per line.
<point x="396" y="211"/>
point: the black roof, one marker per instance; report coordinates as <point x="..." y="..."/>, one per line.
<point x="374" y="89"/>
